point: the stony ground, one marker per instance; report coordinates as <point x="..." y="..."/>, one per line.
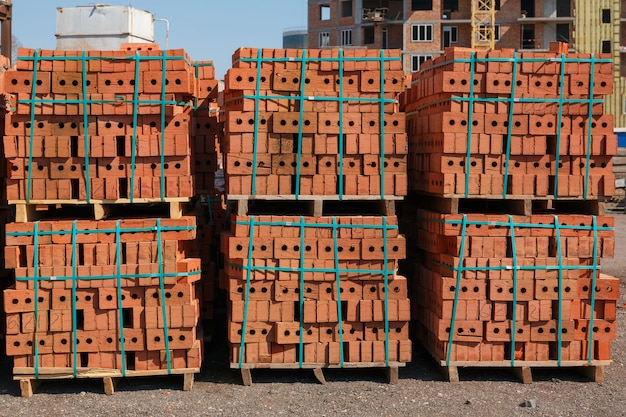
<point x="422" y="390"/>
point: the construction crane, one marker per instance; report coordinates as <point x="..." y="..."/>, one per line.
<point x="483" y="24"/>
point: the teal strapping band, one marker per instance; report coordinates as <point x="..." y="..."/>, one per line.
<point x="255" y="137"/>
<point x="470" y="117"/>
<point x="86" y="127"/>
<point x="588" y="146"/>
<point x="32" y="126"/>
<point x="36" y="296"/>
<point x="74" y="318"/>
<point x="166" y="335"/>
<point x="592" y="290"/>
<point x="457" y="291"/>
<point x="118" y="256"/>
<point x="133" y="151"/>
<point x="509" y="128"/>
<point x="557" y="231"/>
<point x="163" y="84"/>
<point x="558" y="131"/>
<point x="301" y="295"/>
<point x="242" y="346"/>
<point x="340" y="179"/>
<point x="301" y="120"/>
<point x="382" y="125"/>
<point x="338" y="284"/>
<point x="386" y="289"/>
<point x="514" y="312"/>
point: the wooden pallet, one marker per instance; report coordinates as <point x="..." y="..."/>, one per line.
<point x="95" y="209"/>
<point x="317" y="207"/>
<point x="516" y="205"/>
<point x="29" y="383"/>
<point x="523" y="369"/>
<point x="391" y="370"/>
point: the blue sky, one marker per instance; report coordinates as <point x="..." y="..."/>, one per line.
<point x="206" y="29"/>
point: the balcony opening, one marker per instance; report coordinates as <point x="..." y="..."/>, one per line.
<point x="562" y="32"/>
<point x="564" y="8"/>
<point x="528" y="8"/>
<point x="528" y="37"/>
<point x="606" y="15"/>
<point x="606" y="47"/>
<point x="346" y="8"/>
<point x="421" y="4"/>
<point x="369" y="35"/>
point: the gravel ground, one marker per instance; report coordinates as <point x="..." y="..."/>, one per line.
<point x="422" y="390"/>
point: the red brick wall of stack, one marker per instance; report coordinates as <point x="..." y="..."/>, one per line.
<point x="506" y="260"/>
<point x="330" y="165"/>
<point x="51" y="265"/>
<point x="73" y="139"/>
<point x="301" y="126"/>
<point x="55" y="124"/>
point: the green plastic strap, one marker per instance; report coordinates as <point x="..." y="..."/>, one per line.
<point x="105" y="231"/>
<point x="118" y="256"/>
<point x="470" y="121"/>
<point x="557" y="232"/>
<point x="322" y="59"/>
<point x="559" y="121"/>
<point x="302" y="289"/>
<point x="163" y="85"/>
<point x="74" y="318"/>
<point x="255" y="137"/>
<point x="317" y="225"/>
<point x="340" y="179"/>
<point x="382" y="125"/>
<point x="105" y="58"/>
<point x="386" y="288"/>
<point x="163" y="301"/>
<point x="32" y="126"/>
<point x="322" y="270"/>
<point x="242" y="347"/>
<point x="133" y="151"/>
<point x="102" y="277"/>
<point x="86" y="127"/>
<point x="36" y="294"/>
<point x="509" y="128"/>
<point x="324" y="98"/>
<point x="589" y="125"/>
<point x="528" y="225"/>
<point x="338" y="283"/>
<point x="593" y="290"/>
<point x="457" y="289"/>
<point x="301" y="120"/>
<point x="514" y="309"/>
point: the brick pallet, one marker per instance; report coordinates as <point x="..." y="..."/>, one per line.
<point x="116" y="295"/>
<point x="324" y="124"/>
<point x="512" y="131"/>
<point x="99" y="126"/>
<point x="310" y="135"/>
<point x="507" y="219"/>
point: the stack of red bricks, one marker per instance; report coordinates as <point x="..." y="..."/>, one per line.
<point x="97" y="268"/>
<point x="508" y="270"/>
<point x="324" y="140"/>
<point x="486" y="263"/>
<point x="308" y="287"/>
<point x="80" y="120"/>
<point x="115" y="294"/>
<point x="444" y="119"/>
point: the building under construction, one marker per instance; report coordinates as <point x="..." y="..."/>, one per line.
<point x="422" y="29"/>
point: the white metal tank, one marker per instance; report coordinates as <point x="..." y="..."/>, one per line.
<point x="102" y="27"/>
